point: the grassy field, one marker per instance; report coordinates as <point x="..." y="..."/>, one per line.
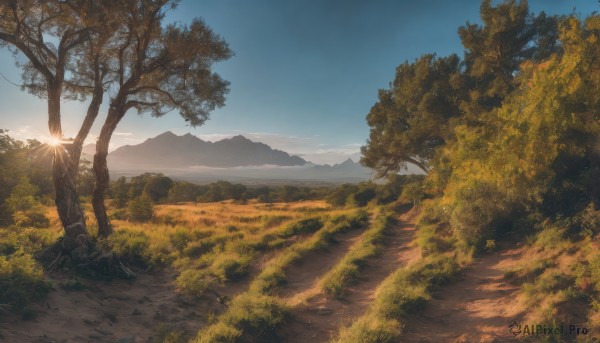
<point x="234" y="266"/>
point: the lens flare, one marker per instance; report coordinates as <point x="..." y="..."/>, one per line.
<point x="54" y="141"/>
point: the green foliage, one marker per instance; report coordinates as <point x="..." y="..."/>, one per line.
<point x="404" y="292"/>
<point x="364" y="194"/>
<point x="477" y="207"/>
<point x="141" y="209"/>
<point x="28" y="240"/>
<point x="34" y="217"/>
<point x="182" y="192"/>
<point x="256" y="315"/>
<point x="21" y="281"/>
<point x="305" y="225"/>
<point x="22" y="197"/>
<point x="360" y="195"/>
<point x="131" y="246"/>
<point x="590" y="221"/>
<point x="411" y="120"/>
<point x="167" y="334"/>
<point x="157" y="188"/>
<point x="119" y="191"/>
<point x="502" y="135"/>
<point x="193" y="282"/>
<point x="230" y="268"/>
<point x="341" y="194"/>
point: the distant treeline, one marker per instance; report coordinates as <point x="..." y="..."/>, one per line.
<point x="159" y="188"/>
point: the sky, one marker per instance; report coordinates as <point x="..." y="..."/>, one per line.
<point x="304" y="75"/>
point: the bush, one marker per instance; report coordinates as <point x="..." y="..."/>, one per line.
<point x="413" y="193"/>
<point x="307" y="225"/>
<point x="180" y="239"/>
<point x="34" y="217"/>
<point x="141" y="209"/>
<point x="255" y="315"/>
<point x="194" y="282"/>
<point x="21" y="281"/>
<point x="590" y="220"/>
<point x="130" y="246"/>
<point x="479" y="208"/>
<point x="365" y="194"/>
<point x="230" y="267"/>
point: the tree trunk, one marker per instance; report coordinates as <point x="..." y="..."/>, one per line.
<point x="100" y="168"/>
<point x="64" y="172"/>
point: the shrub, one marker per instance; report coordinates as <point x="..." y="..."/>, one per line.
<point x="307" y="225"/>
<point x="130" y="246"/>
<point x="33" y="217"/>
<point x="230" y="267"/>
<point x="21" y="281"/>
<point x="180" y="239"/>
<point x="362" y="197"/>
<point x="590" y="220"/>
<point x="167" y="334"/>
<point x="479" y="207"/>
<point x="255" y="315"/>
<point x="372" y="330"/>
<point x="413" y="193"/>
<point x="194" y="282"/>
<point x="141" y="209"/>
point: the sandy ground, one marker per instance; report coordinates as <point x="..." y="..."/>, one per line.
<point x="478" y="308"/>
<point x="116" y="311"/>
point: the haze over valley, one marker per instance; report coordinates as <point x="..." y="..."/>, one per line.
<point x="237" y="159"/>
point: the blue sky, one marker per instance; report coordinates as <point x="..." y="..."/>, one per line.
<point x="304" y="75"/>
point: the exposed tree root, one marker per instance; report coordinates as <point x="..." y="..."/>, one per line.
<point x="84" y="256"/>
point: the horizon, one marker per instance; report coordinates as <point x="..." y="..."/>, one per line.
<point x="215" y="138"/>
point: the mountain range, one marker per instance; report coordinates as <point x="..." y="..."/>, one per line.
<point x="170" y="150"/>
<point x="238" y="159"/>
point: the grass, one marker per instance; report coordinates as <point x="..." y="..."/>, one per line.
<point x="21" y="281"/>
<point x="273" y="275"/>
<point x="208" y="243"/>
<point x="336" y="280"/>
<point x="404" y="292"/>
<point x="212" y="243"/>
<point x="256" y="314"/>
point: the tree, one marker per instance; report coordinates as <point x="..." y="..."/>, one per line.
<point x="158" y="188"/>
<point x="158" y="69"/>
<point x="120" y="191"/>
<point x="494" y="51"/>
<point x="412" y="119"/>
<point x="416" y="118"/>
<point x="141" y="209"/>
<point x="32" y="28"/>
<point x="182" y="192"/>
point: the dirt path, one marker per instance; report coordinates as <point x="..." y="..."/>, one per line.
<point x="307" y="272"/>
<point x="478" y="308"/>
<point x="116" y="311"/>
<point x="319" y="317"/>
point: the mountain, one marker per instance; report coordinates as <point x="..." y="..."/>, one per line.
<point x="168" y="150"/>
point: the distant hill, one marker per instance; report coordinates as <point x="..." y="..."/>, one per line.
<point x="168" y="150"/>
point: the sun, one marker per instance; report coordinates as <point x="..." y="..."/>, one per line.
<point x="54" y="141"/>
